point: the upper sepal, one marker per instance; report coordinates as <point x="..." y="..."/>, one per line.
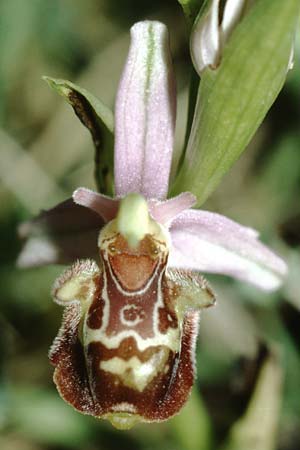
<point x="145" y="114"/>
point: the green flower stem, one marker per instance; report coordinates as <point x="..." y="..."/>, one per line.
<point x="193" y="88"/>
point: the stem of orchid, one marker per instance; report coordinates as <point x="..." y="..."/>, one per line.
<point x="193" y="90"/>
<point x="133" y="218"/>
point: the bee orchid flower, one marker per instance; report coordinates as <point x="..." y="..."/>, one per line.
<point x="126" y="348"/>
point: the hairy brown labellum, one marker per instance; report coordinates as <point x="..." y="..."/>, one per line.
<point x="125" y="351"/>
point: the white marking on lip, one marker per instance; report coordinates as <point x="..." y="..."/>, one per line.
<point x="133" y="372"/>
<point x="137" y="312"/>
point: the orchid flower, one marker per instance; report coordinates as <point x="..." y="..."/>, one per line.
<point x="125" y="351"/>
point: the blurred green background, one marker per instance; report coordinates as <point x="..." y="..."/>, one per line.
<point x="247" y="393"/>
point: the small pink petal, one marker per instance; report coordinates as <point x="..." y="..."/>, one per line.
<point x="164" y="212"/>
<point x="145" y="114"/>
<point x="105" y="206"/>
<point x="210" y="242"/>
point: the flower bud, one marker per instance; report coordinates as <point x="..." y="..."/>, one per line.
<point x="211" y="31"/>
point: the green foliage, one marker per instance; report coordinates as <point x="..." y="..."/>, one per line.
<point x="234" y="99"/>
<point x="262" y="190"/>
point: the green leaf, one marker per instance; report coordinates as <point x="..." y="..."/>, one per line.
<point x="257" y="428"/>
<point x="98" y="119"/>
<point x="234" y="99"/>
